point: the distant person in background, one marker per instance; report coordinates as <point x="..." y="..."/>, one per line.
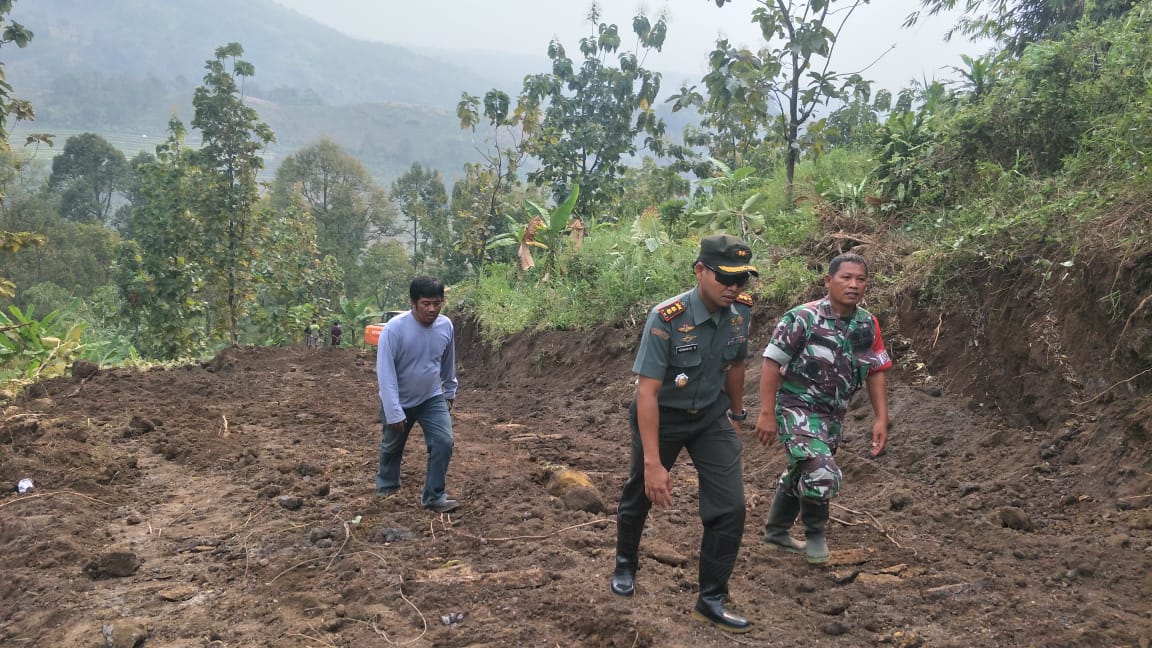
<point x="690" y="387"/>
<point x="336" y="333"/>
<point x="820" y="354"/>
<point x="416" y="371"/>
<point x="312" y="334"/>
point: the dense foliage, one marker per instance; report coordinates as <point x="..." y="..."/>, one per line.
<point x="1031" y="162"/>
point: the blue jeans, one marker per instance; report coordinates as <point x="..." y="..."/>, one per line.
<point x="436" y="422"/>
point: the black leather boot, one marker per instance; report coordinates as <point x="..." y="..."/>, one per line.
<point x="717" y="557"/>
<point x="814" y="513"/>
<point x="623" y="582"/>
<point x="710" y="609"/>
<point x="624" y="577"/>
<point x="785" y="507"/>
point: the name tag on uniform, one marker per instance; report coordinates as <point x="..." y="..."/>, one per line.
<point x="686" y="348"/>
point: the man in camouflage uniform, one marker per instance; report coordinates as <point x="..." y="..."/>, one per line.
<point x="690" y="369"/>
<point x="820" y="354"/>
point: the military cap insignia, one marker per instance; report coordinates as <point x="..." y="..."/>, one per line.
<point x="741" y="252"/>
<point x="744" y="298"/>
<point x="669" y="312"/>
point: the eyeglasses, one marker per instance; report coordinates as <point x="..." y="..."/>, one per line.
<point x="730" y="279"/>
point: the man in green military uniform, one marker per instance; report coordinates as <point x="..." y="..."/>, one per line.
<point x="690" y="371"/>
<point x="820" y="354"/>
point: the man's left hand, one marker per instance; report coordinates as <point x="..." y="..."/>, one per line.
<point x="879" y="437"/>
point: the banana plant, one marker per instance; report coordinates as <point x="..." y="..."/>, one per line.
<point x="556" y="224"/>
<point x="545" y="230"/>
<point x="522" y="235"/>
<point x="355" y="314"/>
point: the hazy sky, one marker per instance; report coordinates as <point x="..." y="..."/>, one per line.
<point x="526" y="26"/>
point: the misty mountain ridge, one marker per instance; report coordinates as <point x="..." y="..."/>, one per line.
<point x="171" y="39"/>
<point x="123" y="68"/>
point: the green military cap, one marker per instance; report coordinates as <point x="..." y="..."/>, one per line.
<point x="727" y="255"/>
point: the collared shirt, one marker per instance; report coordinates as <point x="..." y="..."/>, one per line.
<point x="690" y="351"/>
<point x="826" y="358"/>
<point x="414" y="363"/>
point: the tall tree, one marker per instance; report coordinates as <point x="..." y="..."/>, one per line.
<point x="75" y="256"/>
<point x="853" y="122"/>
<point x="347" y="206"/>
<point x="594" y="112"/>
<point x="387" y="263"/>
<point x="17" y="109"/>
<point x="295" y="282"/>
<point x="480" y="199"/>
<point x="11" y="107"/>
<point x="1017" y="23"/>
<point x="478" y="213"/>
<point x="791" y="76"/>
<point x="233" y="137"/>
<point x="122" y="218"/>
<point x="158" y="272"/>
<point x="422" y="199"/>
<point x="733" y="134"/>
<point x="90" y="172"/>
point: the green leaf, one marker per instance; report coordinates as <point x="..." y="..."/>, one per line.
<point x="540" y="211"/>
<point x="743" y="172"/>
<point x="563" y="212"/>
<point x="724" y="168"/>
<point x="753" y="202"/>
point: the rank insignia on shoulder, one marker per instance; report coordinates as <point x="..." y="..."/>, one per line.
<point x="744" y="298"/>
<point x="669" y="312"/>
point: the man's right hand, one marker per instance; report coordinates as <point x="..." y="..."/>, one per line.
<point x="766" y="427"/>
<point x="658" y="485"/>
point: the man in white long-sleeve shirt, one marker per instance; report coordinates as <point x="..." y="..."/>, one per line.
<point x="416" y="371"/>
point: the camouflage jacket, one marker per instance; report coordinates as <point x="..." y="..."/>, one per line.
<point x="825" y="358"/>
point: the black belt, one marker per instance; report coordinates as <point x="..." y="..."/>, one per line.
<point x="682" y="412"/>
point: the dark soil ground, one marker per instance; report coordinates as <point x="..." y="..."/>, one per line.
<point x="232" y="505"/>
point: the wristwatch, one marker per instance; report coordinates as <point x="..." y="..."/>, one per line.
<point x="738" y="417"/>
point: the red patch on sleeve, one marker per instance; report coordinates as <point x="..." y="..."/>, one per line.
<point x="878" y="349"/>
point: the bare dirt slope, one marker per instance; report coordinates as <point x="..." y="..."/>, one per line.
<point x="232" y="505"/>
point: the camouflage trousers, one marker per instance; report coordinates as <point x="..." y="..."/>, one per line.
<point x="811" y="441"/>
